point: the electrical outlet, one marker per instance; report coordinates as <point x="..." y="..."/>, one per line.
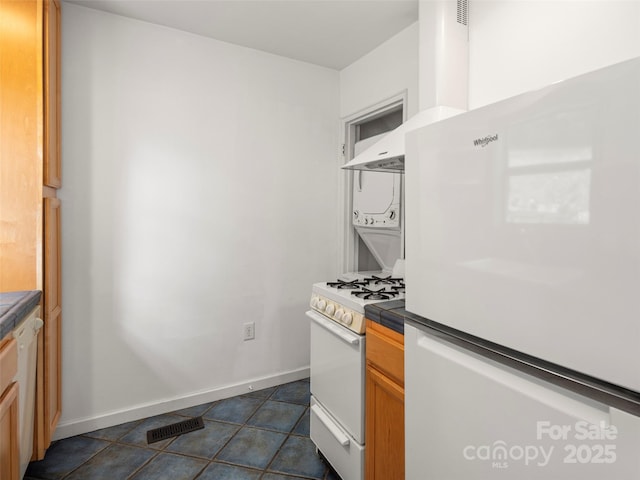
<point x="249" y="330"/>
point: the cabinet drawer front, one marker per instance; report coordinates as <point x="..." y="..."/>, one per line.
<point x="9" y="450"/>
<point x="385" y="352"/>
<point x="343" y="452"/>
<point x="8" y="363"/>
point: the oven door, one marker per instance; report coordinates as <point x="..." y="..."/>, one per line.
<point x="337" y="372"/>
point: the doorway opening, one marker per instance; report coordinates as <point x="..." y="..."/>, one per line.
<point x="375" y="121"/>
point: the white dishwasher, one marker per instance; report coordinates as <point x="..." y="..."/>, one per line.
<point x="472" y="418"/>
<point x="26" y="335"/>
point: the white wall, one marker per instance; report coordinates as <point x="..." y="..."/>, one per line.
<point x="384" y="72"/>
<point x="517" y="46"/>
<point x="199" y="193"/>
<point x="389" y="70"/>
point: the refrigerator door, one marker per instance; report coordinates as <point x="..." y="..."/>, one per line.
<point x="522" y="225"/>
<point x="475" y="419"/>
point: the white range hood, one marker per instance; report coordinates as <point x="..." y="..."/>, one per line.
<point x="387" y="155"/>
<point x="443" y="81"/>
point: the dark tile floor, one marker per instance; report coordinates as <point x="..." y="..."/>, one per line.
<point x="261" y="435"/>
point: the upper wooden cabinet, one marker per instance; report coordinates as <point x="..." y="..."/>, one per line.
<point x="30" y="167"/>
<point x="52" y="164"/>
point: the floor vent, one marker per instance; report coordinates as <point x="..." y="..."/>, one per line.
<point x="174" y="429"/>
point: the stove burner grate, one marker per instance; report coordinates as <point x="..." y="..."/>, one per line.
<point x="375" y="280"/>
<point x="352" y="285"/>
<point x="381" y="294"/>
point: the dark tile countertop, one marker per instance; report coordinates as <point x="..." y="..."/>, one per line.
<point x="389" y="314"/>
<point x="14" y="306"/>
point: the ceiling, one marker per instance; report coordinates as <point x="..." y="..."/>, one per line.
<point x="330" y="33"/>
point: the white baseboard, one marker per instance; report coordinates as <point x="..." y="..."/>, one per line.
<point x="80" y="426"/>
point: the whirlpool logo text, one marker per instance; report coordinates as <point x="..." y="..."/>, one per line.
<point x="483" y="142"/>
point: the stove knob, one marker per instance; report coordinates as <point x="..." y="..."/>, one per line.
<point x="314" y="302"/>
<point x="330" y="309"/>
<point x="321" y="304"/>
<point x="347" y="318"/>
<point x="339" y="314"/>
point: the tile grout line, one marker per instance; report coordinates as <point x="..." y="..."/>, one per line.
<point x="262" y="401"/>
<point x="164" y="448"/>
<point x="208" y="461"/>
<point x="87" y="460"/>
<point x="144" y="464"/>
<point x="266" y="469"/>
<point x="215" y="459"/>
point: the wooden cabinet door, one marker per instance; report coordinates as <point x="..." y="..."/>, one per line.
<point x="52" y="319"/>
<point x="52" y="257"/>
<point x="384" y="455"/>
<point x="9" y="449"/>
<point x="9" y="454"/>
<point x="52" y="376"/>
<point x="49" y="388"/>
<point x="385" y="428"/>
<point x="52" y="164"/>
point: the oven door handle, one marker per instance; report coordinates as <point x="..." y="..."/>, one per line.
<point x="333" y="328"/>
<point x="341" y="438"/>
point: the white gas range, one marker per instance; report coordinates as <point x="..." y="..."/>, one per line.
<point x="344" y="300"/>
<point x="338" y="365"/>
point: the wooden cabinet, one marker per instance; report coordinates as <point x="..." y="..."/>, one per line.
<point x="9" y="454"/>
<point x="30" y="172"/>
<point x="51" y="34"/>
<point x="52" y="402"/>
<point x="384" y="453"/>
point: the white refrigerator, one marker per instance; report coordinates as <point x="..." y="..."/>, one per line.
<point x="523" y="272"/>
